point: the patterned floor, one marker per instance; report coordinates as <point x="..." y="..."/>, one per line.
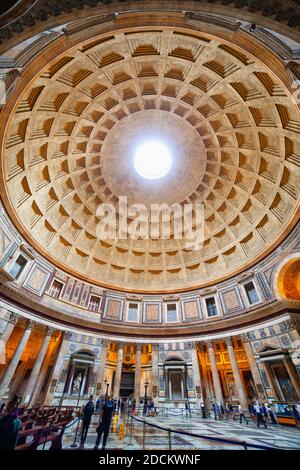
<point x="275" y="436"/>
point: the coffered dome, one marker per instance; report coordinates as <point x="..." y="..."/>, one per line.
<point x="233" y="130"/>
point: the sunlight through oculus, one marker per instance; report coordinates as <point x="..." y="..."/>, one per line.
<point x="152" y="160"/>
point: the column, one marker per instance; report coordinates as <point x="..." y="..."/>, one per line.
<point x="215" y="373"/>
<point x="196" y="373"/>
<point x="15" y="359"/>
<point x="59" y="360"/>
<point x="236" y="374"/>
<point x="206" y="391"/>
<point x="102" y="367"/>
<point x="118" y="373"/>
<point x="137" y="375"/>
<point x="155" y="373"/>
<point x="39" y="394"/>
<point x="4" y="337"/>
<point x="37" y="368"/>
<point x="292" y="374"/>
<point x="253" y="367"/>
<point x="13" y="320"/>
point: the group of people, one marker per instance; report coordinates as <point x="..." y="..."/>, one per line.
<point x="106" y="407"/>
<point x="261" y="412"/>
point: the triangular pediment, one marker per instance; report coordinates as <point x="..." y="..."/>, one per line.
<point x="209" y="291"/>
<point x="245" y="276"/>
<point x="267" y="348"/>
<point x="28" y="250"/>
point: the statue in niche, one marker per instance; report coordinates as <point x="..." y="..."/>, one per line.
<point x="77" y="384"/>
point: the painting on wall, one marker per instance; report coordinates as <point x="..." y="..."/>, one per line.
<point x="249" y="384"/>
<point x="285" y="383"/>
<point x="232" y="392"/>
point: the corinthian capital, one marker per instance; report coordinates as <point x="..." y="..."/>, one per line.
<point x="50" y="331"/>
<point x="67" y="335"/>
<point x="228" y="341"/>
<point x="244" y="337"/>
<point x="14" y="318"/>
<point x="30" y="325"/>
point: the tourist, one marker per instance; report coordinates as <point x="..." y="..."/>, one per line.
<point x="119" y="405"/>
<point x="104" y="422"/>
<point x="217" y="410"/>
<point x="271" y="414"/>
<point x="10" y="425"/>
<point x="151" y="409"/>
<point x="203" y="411"/>
<point x="86" y="419"/>
<point x="187" y="409"/>
<point x="115" y="403"/>
<point x="259" y="414"/>
<point x="98" y="403"/>
<point x="242" y="414"/>
<point x="133" y="406"/>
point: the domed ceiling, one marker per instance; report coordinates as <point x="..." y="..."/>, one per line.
<point x="233" y="130"/>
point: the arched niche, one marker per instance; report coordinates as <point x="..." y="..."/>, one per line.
<point x="289" y="280"/>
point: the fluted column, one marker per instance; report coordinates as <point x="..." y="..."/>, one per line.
<point x="118" y="373"/>
<point x="66" y="336"/>
<point x="37" y="368"/>
<point x="15" y="359"/>
<point x="102" y="367"/>
<point x="236" y="374"/>
<point x="215" y="373"/>
<point x="253" y="367"/>
<point x="292" y="374"/>
<point x="137" y="374"/>
<point x="155" y="373"/>
<point x="196" y="373"/>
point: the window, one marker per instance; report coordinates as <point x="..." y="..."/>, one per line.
<point x="211" y="307"/>
<point x="171" y="312"/>
<point x="251" y="293"/>
<point x="132" y="312"/>
<point x="56" y="289"/>
<point x="94" y="303"/>
<point x="18" y="267"/>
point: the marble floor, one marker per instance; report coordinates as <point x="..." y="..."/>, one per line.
<point x="274" y="437"/>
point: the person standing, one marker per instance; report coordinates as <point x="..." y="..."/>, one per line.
<point x="202" y="406"/>
<point x="86" y="420"/>
<point x="119" y="405"/>
<point x="98" y="403"/>
<point x="259" y="415"/>
<point x="133" y="406"/>
<point x="242" y="414"/>
<point x="10" y="425"/>
<point x="214" y="408"/>
<point x="271" y="414"/>
<point x="104" y="423"/>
